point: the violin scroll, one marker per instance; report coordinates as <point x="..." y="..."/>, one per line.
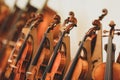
<point x="55" y="21"/>
<point x="70" y="22"/>
<point x="35" y="17"/>
<point x="96" y="22"/>
<point x="39" y="18"/>
<point x="105" y="11"/>
<point x="71" y="19"/>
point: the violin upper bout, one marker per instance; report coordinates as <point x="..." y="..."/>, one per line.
<point x="98" y="72"/>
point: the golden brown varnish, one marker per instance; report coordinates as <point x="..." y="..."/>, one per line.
<point x="80" y="70"/>
<point x="23" y="63"/>
<point x="12" y="57"/>
<point x="42" y="62"/>
<point x="48" y="14"/>
<point x="99" y="72"/>
<point x="58" y="67"/>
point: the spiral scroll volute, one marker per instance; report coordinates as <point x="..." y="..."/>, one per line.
<point x="105" y="12"/>
<point x="57" y="19"/>
<point x="34" y="20"/>
<point x="70" y="22"/>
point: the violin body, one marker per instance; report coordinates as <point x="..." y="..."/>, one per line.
<point x="80" y="70"/>
<point x="99" y="72"/>
<point x="61" y="61"/>
<point x="23" y="63"/>
<point x="20" y="67"/>
<point x="58" y="68"/>
<point x="39" y="68"/>
<point x="12" y="60"/>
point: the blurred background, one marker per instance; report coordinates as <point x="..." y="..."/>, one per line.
<point x="86" y="11"/>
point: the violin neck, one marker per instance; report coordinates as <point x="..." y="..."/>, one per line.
<point x="109" y="62"/>
<point x="72" y="67"/>
<point x="50" y="64"/>
<point x="40" y="47"/>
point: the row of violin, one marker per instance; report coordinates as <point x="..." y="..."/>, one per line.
<point x="49" y="60"/>
<point x="22" y="56"/>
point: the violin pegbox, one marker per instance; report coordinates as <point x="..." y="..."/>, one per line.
<point x="35" y="19"/>
<point x="56" y="20"/>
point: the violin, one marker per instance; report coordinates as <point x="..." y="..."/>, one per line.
<point x="57" y="62"/>
<point x="109" y="70"/>
<point x="8" y="35"/>
<point x="20" y="60"/>
<point x="43" y="53"/>
<point x="22" y="65"/>
<point x="78" y="68"/>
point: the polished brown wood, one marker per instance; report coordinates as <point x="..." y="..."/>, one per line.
<point x="109" y="70"/>
<point x="61" y="50"/>
<point x="44" y="51"/>
<point x="87" y="46"/>
<point x="99" y="71"/>
<point x="17" y="52"/>
<point x="22" y="65"/>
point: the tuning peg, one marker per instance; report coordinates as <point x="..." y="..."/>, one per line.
<point x="105" y="31"/>
<point x="118" y="33"/>
<point x="13" y="66"/>
<point x="15" y="55"/>
<point x="29" y="73"/>
<point x="105" y="36"/>
<point x="117" y="29"/>
<point x="9" y="60"/>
